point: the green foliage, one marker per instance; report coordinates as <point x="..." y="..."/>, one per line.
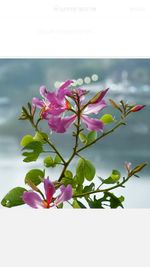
<point x="84" y="169"/>
<point x="68" y="174"/>
<point x="115" y="202"/>
<point x="40" y="137"/>
<point x="94" y="204"/>
<point x="34" y="149"/>
<point x="57" y="160"/>
<point x="77" y="204"/>
<point x="34" y="176"/>
<point x="60" y="206"/>
<point x="68" y="179"/>
<point x="80" y="171"/>
<point x="113" y="178"/>
<point x="89" y="188"/>
<point x="107" y="118"/>
<point x="48" y="162"/>
<point x="91" y="137"/>
<point x="82" y="138"/>
<point x="89" y="170"/>
<point x="13" y="198"/>
<point x="79" y="189"/>
<point x="79" y="180"/>
<point x="108" y="199"/>
<point x="26" y="140"/>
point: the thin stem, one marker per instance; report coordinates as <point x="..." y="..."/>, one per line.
<point x="56" y="150"/>
<point x="75" y="151"/>
<point x="105" y="190"/>
<point x="66" y="164"/>
<point x="102" y="136"/>
<point x="35" y="126"/>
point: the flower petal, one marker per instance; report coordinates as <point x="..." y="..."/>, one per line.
<point x="60" y="125"/>
<point x="43" y="91"/>
<point x="52" y="98"/>
<point x="66" y="194"/>
<point x="95" y="108"/>
<point x="66" y="84"/>
<point x="49" y="190"/>
<point x="32" y="199"/>
<point x="37" y="102"/>
<point x="92" y="124"/>
<point x="63" y="90"/>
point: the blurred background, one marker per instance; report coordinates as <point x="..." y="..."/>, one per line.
<point x="128" y="79"/>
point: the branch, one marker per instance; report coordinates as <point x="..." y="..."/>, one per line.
<point x="102" y="136"/>
<point x="105" y="190"/>
<point x="35" y="126"/>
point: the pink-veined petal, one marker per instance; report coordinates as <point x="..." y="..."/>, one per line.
<point x="65" y="195"/>
<point x="66" y="84"/>
<point x="77" y="93"/>
<point x="52" y="98"/>
<point x="63" y="90"/>
<point x="60" y="125"/>
<point x="92" y="124"/>
<point x="95" y="108"/>
<point x="37" y="102"/>
<point x="43" y="91"/>
<point x="32" y="199"/>
<point x="49" y="190"/>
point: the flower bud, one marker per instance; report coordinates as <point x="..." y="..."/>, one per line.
<point x="137" y="108"/>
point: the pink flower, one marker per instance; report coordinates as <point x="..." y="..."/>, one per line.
<point x="35" y="201"/>
<point x="137" y="108"/>
<point x="96" y="104"/>
<point x="128" y="166"/>
<point x="53" y="103"/>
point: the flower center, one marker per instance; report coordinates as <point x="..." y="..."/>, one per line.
<point x="46" y="204"/>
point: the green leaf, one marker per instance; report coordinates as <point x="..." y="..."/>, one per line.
<point x="60" y="206"/>
<point x="94" y="204"/>
<point x="35" y="149"/>
<point x="14" y="197"/>
<point x="110" y="199"/>
<point x="80" y="171"/>
<point x="113" y="178"/>
<point x="91" y="137"/>
<point x="77" y="204"/>
<point x="40" y="137"/>
<point x="26" y="140"/>
<point x="34" y="176"/>
<point x="79" y="179"/>
<point x="121" y="198"/>
<point x="89" y="170"/>
<point x="79" y="189"/>
<point x="107" y="118"/>
<point x="84" y="169"/>
<point x="83" y="138"/>
<point x="115" y="202"/>
<point x="68" y="174"/>
<point x="115" y="175"/>
<point x="57" y="159"/>
<point x="48" y="162"/>
<point x="89" y="188"/>
<point x="66" y="180"/>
